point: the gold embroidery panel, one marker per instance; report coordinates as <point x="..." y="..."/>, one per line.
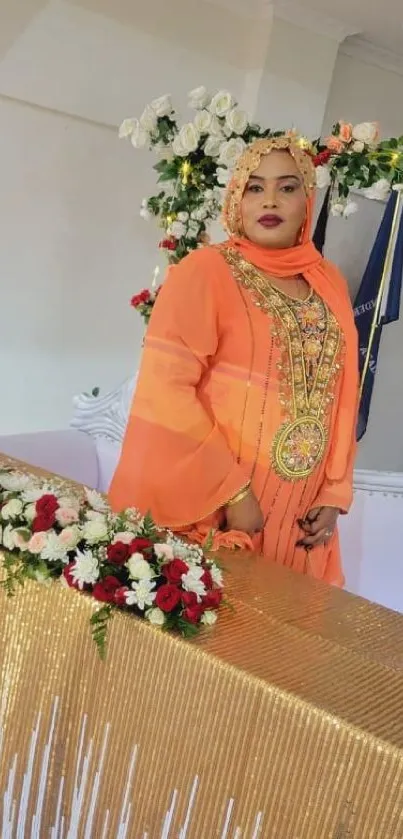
<point x="310" y="342"/>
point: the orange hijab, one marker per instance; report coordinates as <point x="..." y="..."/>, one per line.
<point x="322" y="275"/>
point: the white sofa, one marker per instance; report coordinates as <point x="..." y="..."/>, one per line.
<point x="371" y="536"/>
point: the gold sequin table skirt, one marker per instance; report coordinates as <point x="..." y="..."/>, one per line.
<point x="284" y="721"/>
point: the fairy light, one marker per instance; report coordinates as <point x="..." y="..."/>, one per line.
<point x="395" y="158"/>
<point x="185" y="170"/>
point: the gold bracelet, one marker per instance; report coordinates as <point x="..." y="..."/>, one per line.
<point x="239" y="496"/>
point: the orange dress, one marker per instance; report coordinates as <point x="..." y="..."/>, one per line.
<point x="238" y="381"/>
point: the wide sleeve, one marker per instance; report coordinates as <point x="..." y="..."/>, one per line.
<point x="338" y="494"/>
<point x="176" y="462"/>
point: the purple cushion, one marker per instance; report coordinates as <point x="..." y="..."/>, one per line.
<point x="71" y="454"/>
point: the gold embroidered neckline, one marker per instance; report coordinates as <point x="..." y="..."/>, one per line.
<point x="308" y="368"/>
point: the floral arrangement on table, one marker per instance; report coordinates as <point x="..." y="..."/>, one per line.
<point x="48" y="533"/>
<point x="195" y="162"/>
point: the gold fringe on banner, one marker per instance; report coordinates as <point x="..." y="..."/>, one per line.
<point x="284" y="721"/>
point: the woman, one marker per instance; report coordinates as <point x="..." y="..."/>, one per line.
<point x="244" y="416"/>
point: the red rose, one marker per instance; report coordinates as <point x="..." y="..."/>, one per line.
<point x="43" y="522"/>
<point x="118" y="553"/>
<point x="322" y="158"/>
<point x="173" y="570"/>
<point x="105" y="590"/>
<point x="168" y="244"/>
<point x="119" y="597"/>
<point x="140" y="299"/>
<point x="212" y="599"/>
<point x="193" y="613"/>
<point x="47" y="505"/>
<point x="207" y="579"/>
<point x="168" y="597"/>
<point x="189" y="598"/>
<point x="138" y="546"/>
<point x="68" y="576"/>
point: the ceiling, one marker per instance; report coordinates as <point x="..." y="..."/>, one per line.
<point x="379" y="22"/>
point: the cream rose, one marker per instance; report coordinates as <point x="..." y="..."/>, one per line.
<point x="30" y="512"/>
<point x="230" y="152"/>
<point x="178" y="148"/>
<point x="95" y="531"/>
<point x="12" y="509"/>
<point x="156" y="617"/>
<point x="123" y="536"/>
<point x="127" y="127"/>
<point x="221" y="103"/>
<point x="358" y="146"/>
<point x="237" y="121"/>
<point x="177" y="230"/>
<point x="139" y="568"/>
<point x="366" y="132"/>
<point x="8" y="538"/>
<point x="189" y="137"/>
<point x="148" y="119"/>
<point x="66" y="516"/>
<point x="70" y="537"/>
<point x="138" y="136"/>
<point x="202" y="121"/>
<point x="162" y="106"/>
<point x="198" y="98"/>
<point x="163" y="551"/>
<point x="37" y="543"/>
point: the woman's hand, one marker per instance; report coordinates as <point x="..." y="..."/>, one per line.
<point x="245" y="516"/>
<point x="318" y="527"/>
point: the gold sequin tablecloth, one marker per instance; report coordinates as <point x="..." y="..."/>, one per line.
<point x="285" y="721"/>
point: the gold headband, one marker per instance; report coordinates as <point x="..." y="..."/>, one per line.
<point x="248" y="163"/>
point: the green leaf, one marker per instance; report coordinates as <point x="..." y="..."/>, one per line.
<point x="99" y="627"/>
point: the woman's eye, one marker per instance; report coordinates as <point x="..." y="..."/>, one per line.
<point x="289" y="188"/>
<point x="254" y="188"/>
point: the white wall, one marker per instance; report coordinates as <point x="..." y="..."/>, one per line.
<point x="73" y="248"/>
<point x="362" y="92"/>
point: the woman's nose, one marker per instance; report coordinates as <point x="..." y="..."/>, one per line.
<point x="270" y="199"/>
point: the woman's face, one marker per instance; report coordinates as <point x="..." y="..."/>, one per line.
<point x="274" y="202"/>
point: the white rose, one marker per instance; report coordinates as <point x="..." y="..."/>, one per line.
<point x="148" y="119"/>
<point x="216" y="129"/>
<point x="139" y="137"/>
<point x="209" y="618"/>
<point x="221" y="103"/>
<point x="202" y="121"/>
<point x="230" y="152"/>
<point x="145" y="214"/>
<point x="200" y="214"/>
<point x="379" y="191"/>
<point x="198" y="98"/>
<point x="177" y="147"/>
<point x="13" y="482"/>
<point x="212" y="146"/>
<point x="8" y="538"/>
<point x="358" y="146"/>
<point x="183" y="216"/>
<point x="323" y="178"/>
<point x="95" y="531"/>
<point x="162" y="106"/>
<point x="177" y="230"/>
<point x="337" y="209"/>
<point x="127" y="127"/>
<point x="30" y="512"/>
<point x="156" y="617"/>
<point x="189" y="137"/>
<point x="366" y="132"/>
<point x="223" y="176"/>
<point x="12" y="509"/>
<point x="139" y="568"/>
<point x="350" y="208"/>
<point x="237" y="121"/>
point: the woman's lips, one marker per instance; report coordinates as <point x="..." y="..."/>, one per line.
<point x="270" y="221"/>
